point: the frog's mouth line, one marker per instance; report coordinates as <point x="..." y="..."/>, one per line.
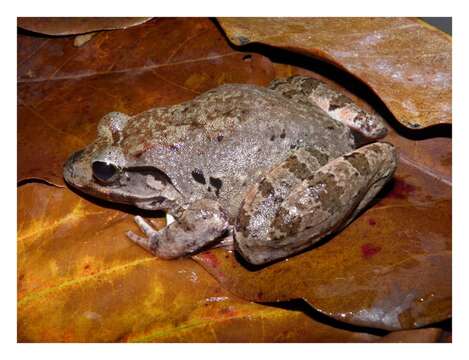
<point x="157" y="174"/>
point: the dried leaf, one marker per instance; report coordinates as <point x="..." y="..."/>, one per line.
<point x="77" y="25"/>
<point x="80" y="279"/>
<point x="403" y="60"/>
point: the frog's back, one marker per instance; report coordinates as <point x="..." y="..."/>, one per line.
<point x="223" y="140"/>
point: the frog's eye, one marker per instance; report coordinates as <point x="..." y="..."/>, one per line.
<point x="105" y="172"/>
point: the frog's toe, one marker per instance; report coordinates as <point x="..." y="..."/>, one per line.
<point x="145" y="227"/>
<point x="146" y="243"/>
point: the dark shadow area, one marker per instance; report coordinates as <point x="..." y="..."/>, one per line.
<point x="36" y="181"/>
<point x="21" y="31"/>
<point x="305" y="308"/>
<point x="446" y="325"/>
<point x="301" y="305"/>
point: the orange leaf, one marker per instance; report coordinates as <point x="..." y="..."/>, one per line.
<point x="80" y="279"/>
<point x="406" y="62"/>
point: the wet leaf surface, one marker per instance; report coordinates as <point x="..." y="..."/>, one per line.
<point x="77" y="25"/>
<point x="405" y="61"/>
<point x="389" y="269"/>
<point x="80" y="279"/>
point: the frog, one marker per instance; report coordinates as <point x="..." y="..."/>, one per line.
<point x="267" y="171"/>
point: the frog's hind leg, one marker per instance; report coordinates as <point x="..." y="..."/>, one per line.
<point x="299" y="202"/>
<point x="365" y="126"/>
<point x="203" y="223"/>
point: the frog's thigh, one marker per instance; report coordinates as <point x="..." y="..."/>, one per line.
<point x="303" y="89"/>
<point x="200" y="224"/>
<point x="281" y="216"/>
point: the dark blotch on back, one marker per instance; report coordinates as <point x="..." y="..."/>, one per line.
<point x="321" y="157"/>
<point x="296" y="167"/>
<point x="198" y="176"/>
<point x="290" y="93"/>
<point x="266" y="188"/>
<point x="282" y="135"/>
<point x="217" y="184"/>
<point x="359" y="162"/>
<point x="287" y="227"/>
<point x="338" y="102"/>
<point x="243" y="222"/>
<point x="308" y="85"/>
<point x="330" y="192"/>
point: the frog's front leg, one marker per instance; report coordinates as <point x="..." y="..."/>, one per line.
<point x="301" y="201"/>
<point x="202" y="223"/>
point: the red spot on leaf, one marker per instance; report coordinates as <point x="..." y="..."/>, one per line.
<point x="210" y="259"/>
<point x="402" y="189"/>
<point x="368" y="250"/>
<point x="228" y="311"/>
<point x="372" y="222"/>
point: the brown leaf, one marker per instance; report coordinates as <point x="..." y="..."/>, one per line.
<point x="80" y="279"/>
<point x="63" y="91"/>
<point x="403" y="60"/>
<point x="77" y="25"/>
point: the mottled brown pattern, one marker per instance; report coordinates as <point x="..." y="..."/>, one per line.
<point x="338" y="102"/>
<point x="359" y="162"/>
<point x="285" y="223"/>
<point x="296" y="167"/>
<point x="242" y="221"/>
<point x="319" y="155"/>
<point x="265" y="188"/>
<point x="329" y="192"/>
<point x="309" y="85"/>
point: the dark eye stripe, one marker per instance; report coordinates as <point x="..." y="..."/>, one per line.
<point x="104" y="171"/>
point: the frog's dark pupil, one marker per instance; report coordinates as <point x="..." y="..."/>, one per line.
<point x="103" y="171"/>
